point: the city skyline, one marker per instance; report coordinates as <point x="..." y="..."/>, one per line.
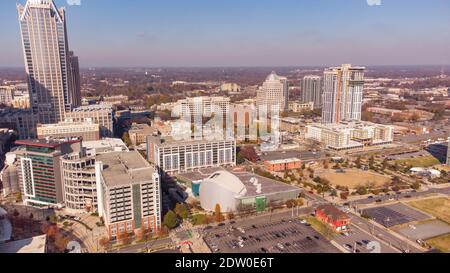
<point x="246" y="34"/>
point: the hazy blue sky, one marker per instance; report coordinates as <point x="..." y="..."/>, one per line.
<point x="246" y="32"/>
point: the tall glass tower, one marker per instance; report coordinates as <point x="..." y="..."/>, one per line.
<point x="343" y="94"/>
<point x="46" y="54"/>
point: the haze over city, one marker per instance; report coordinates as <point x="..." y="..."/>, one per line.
<point x="246" y="33"/>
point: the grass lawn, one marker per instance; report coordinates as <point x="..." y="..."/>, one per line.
<point x="426" y="161"/>
<point x="438" y="207"/>
<point x="320" y="227"/>
<point x="353" y="178"/>
<point x="441" y="243"/>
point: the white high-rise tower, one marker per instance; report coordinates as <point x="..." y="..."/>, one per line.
<point x="343" y="94"/>
<point x="274" y="92"/>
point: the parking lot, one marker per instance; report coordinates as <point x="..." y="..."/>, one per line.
<point x="358" y="241"/>
<point x="396" y="214"/>
<point x="284" y="236"/>
<point x="425" y="231"/>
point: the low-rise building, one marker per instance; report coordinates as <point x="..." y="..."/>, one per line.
<point x="241" y="191"/>
<point x="87" y="130"/>
<point x="333" y="217"/>
<point x="138" y="133"/>
<point x="283" y="165"/>
<point x="298" y="107"/>
<point x="128" y="194"/>
<point x="105" y="145"/>
<point x="350" y="135"/>
<point x="101" y="114"/>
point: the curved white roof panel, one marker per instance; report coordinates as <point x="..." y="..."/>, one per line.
<point x="228" y="181"/>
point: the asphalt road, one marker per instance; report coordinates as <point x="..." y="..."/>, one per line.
<point x="137" y="248"/>
<point x="384" y="235"/>
<point x="401" y="196"/>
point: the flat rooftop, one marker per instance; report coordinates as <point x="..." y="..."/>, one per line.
<point x="345" y="125"/>
<point x="199" y="175"/>
<point x="168" y="140"/>
<point x="106" y="144"/>
<point x="44" y="143"/>
<point x="31" y="245"/>
<point x="283" y="161"/>
<point x="124" y="168"/>
<point x="268" y="186"/>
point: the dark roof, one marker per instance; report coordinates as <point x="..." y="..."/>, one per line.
<point x="44" y="143"/>
<point x="333" y="212"/>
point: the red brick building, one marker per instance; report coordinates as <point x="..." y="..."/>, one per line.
<point x="283" y="165"/>
<point x="334" y="217"/>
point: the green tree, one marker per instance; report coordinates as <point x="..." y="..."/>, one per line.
<point x="170" y="220"/>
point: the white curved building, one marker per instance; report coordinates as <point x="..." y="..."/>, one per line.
<point x="221" y="188"/>
<point x="240" y="191"/>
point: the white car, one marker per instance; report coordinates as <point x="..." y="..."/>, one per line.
<point x="280" y="246"/>
<point x="303" y="222"/>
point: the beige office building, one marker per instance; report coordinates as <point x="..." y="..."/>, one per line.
<point x="87" y="131"/>
<point x="101" y="114"/>
<point x="274" y="93"/>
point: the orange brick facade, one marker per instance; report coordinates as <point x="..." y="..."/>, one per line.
<point x="273" y="166"/>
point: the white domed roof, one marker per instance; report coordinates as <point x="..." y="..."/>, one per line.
<point x="228" y="181"/>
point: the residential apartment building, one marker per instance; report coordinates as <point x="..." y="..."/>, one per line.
<point x="128" y="194"/>
<point x="178" y="156"/>
<point x="312" y="90"/>
<point x="87" y="131"/>
<point x="274" y="93"/>
<point x="352" y="135"/>
<point x="342" y="94"/>
<point x="101" y="114"/>
<point x="40" y="170"/>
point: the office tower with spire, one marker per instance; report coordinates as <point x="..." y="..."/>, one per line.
<point x="46" y="55"/>
<point x="343" y="94"/>
<point x="274" y="92"/>
<point x="312" y="90"/>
